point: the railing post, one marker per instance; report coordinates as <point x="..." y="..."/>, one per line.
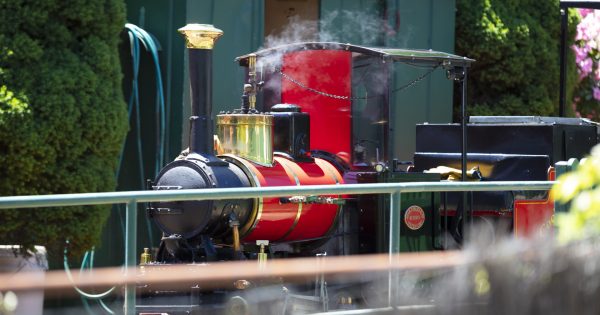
<point x="395" y="218"/>
<point x="130" y="254"/>
<point x="394" y="245"/>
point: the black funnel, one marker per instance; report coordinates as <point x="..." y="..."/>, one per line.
<point x="200" y="40"/>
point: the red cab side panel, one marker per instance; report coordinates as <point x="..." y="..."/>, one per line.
<point x="327" y="71"/>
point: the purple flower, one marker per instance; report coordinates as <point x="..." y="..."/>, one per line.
<point x="589" y="26"/>
<point x="587" y="52"/>
<point x="585" y="67"/>
<point x="585" y="12"/>
<point x="596" y="93"/>
<point x="581" y="53"/>
<point x="581" y="34"/>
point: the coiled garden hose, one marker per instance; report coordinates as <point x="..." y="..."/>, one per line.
<point x="137" y="35"/>
<point x="85" y="296"/>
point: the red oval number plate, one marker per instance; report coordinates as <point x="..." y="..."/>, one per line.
<point x="414" y="217"/>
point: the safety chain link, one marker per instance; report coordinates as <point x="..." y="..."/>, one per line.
<point x="341" y="97"/>
<point x="417" y="80"/>
<point x="298" y="83"/>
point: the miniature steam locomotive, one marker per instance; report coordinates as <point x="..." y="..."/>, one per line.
<point x="318" y="114"/>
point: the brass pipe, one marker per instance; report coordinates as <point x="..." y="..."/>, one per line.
<point x="236" y="238"/>
<point x="262" y="256"/>
<point x="252" y="80"/>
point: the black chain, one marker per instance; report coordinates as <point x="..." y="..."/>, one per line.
<point x="341" y="97"/>
<point x="417" y="80"/>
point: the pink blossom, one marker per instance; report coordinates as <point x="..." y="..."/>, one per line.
<point x="580" y="32"/>
<point x="581" y="52"/>
<point x="585" y="12"/>
<point x="585" y="67"/>
<point x="587" y="51"/>
<point x="589" y="27"/>
<point x="596" y="93"/>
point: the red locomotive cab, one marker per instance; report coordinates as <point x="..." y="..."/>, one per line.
<point x="292" y="218"/>
<point x="343" y="88"/>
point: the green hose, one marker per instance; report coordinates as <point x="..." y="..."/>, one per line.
<point x="137" y="35"/>
<point x="81" y="292"/>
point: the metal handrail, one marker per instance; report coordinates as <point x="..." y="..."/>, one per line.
<point x="131" y="198"/>
<point x="60" y="200"/>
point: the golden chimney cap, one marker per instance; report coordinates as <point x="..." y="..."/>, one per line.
<point x="200" y="36"/>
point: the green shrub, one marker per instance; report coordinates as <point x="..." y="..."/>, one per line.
<point x="516" y="45"/>
<point x="62" y="115"/>
<point x="580" y="187"/>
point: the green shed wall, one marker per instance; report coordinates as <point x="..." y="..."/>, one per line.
<point x="425" y="24"/>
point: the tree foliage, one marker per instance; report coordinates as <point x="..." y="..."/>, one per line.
<point x="62" y="115"/>
<point x="516" y="45"/>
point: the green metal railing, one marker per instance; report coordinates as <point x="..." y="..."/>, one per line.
<point x="132" y="198"/>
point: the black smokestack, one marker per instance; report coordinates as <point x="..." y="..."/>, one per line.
<point x="200" y="40"/>
<point x="201" y="127"/>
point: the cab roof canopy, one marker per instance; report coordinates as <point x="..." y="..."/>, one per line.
<point x="417" y="56"/>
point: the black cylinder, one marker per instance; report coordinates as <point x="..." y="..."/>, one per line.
<point x="201" y="126"/>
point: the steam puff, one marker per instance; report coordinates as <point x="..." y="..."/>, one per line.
<point x="295" y="31"/>
<point x="360" y="28"/>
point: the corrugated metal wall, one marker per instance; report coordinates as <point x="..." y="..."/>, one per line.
<point x="427" y="24"/>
